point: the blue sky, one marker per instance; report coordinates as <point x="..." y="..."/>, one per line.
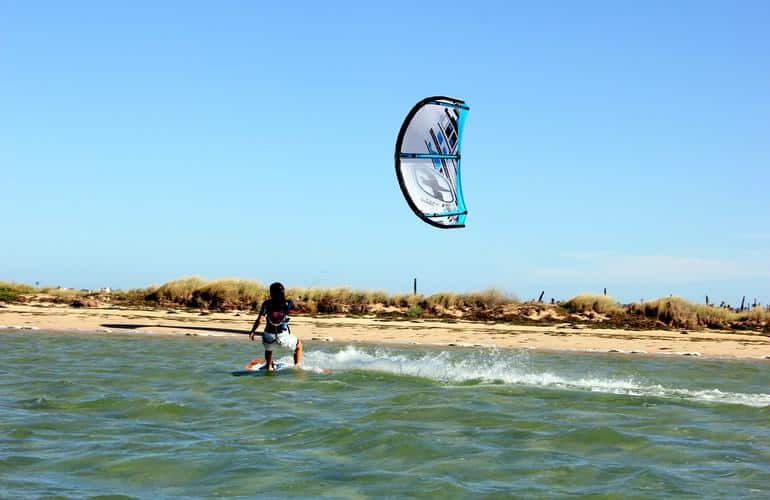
<point x="609" y="144"/>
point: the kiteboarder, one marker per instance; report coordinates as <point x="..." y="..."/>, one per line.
<point x="277" y="333"/>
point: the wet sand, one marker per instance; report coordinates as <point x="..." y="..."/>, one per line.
<point x="564" y="337"/>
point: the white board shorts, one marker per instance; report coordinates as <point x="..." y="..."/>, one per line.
<point x="284" y="339"/>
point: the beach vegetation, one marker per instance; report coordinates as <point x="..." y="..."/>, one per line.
<point x="19" y="288"/>
<point x="62" y="294"/>
<point x="678" y="312"/>
<point x="489" y="298"/>
<point x="134" y="297"/>
<point x="177" y="291"/>
<point x="485" y="299"/>
<point x="757" y="314"/>
<point x="7" y="295"/>
<point x="10" y="291"/>
<point x="228" y="294"/>
<point x="602" y="304"/>
<point x="194" y="293"/>
<point x="322" y="300"/>
<point x="447" y="300"/>
<point x="415" y="311"/>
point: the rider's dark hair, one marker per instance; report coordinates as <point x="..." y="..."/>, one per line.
<point x="277" y="292"/>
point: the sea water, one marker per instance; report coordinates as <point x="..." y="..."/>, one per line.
<point x="145" y="416"/>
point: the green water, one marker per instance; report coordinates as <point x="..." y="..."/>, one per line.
<point x="153" y="417"/>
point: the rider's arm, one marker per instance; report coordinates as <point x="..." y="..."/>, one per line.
<point x="253" y="330"/>
<point x="256" y="322"/>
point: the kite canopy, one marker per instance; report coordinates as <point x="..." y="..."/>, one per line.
<point x="428" y="160"/>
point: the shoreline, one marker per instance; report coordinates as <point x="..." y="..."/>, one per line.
<point x="709" y="344"/>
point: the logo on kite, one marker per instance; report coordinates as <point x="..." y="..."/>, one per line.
<point x="434" y="184"/>
<point x="428" y="160"/>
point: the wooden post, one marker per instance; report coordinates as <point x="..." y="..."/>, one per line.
<point x="540" y="299"/>
<point x="414" y="287"/>
<point x="743" y="301"/>
<point x="707" y="300"/>
<point x="605" y="291"/>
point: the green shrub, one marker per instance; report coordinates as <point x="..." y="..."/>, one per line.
<point x="414" y="311"/>
<point x="7" y="295"/>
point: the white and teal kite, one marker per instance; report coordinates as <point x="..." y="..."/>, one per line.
<point x="428" y="160"/>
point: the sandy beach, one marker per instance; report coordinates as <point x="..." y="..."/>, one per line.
<point x="565" y="337"/>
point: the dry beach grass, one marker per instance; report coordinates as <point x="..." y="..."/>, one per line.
<point x="491" y="318"/>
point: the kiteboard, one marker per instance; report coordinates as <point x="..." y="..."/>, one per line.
<point x="258" y="365"/>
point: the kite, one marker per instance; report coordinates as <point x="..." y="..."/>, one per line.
<point x="428" y="160"/>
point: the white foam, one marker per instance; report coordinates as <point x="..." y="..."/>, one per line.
<point x="491" y="366"/>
